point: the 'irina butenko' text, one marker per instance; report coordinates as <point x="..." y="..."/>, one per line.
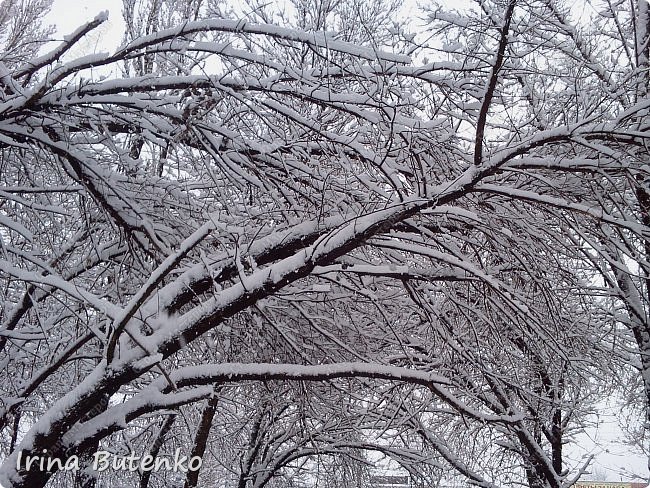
<point x="104" y="460"/>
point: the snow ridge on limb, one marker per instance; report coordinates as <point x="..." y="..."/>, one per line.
<point x="70" y="40"/>
<point x="159" y="395"/>
<point x="315" y="39"/>
<point x="152" y="284"/>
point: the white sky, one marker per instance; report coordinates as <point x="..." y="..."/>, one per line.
<point x="612" y="459"/>
<point x="67" y="15"/>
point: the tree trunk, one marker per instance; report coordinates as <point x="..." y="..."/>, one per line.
<point x="155" y="448"/>
<point x="201" y="436"/>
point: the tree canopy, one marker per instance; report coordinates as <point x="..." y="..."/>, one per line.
<point x="294" y="243"/>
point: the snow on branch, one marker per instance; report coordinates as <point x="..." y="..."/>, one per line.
<point x="158" y="394"/>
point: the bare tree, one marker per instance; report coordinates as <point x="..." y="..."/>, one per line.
<point x="405" y="252"/>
